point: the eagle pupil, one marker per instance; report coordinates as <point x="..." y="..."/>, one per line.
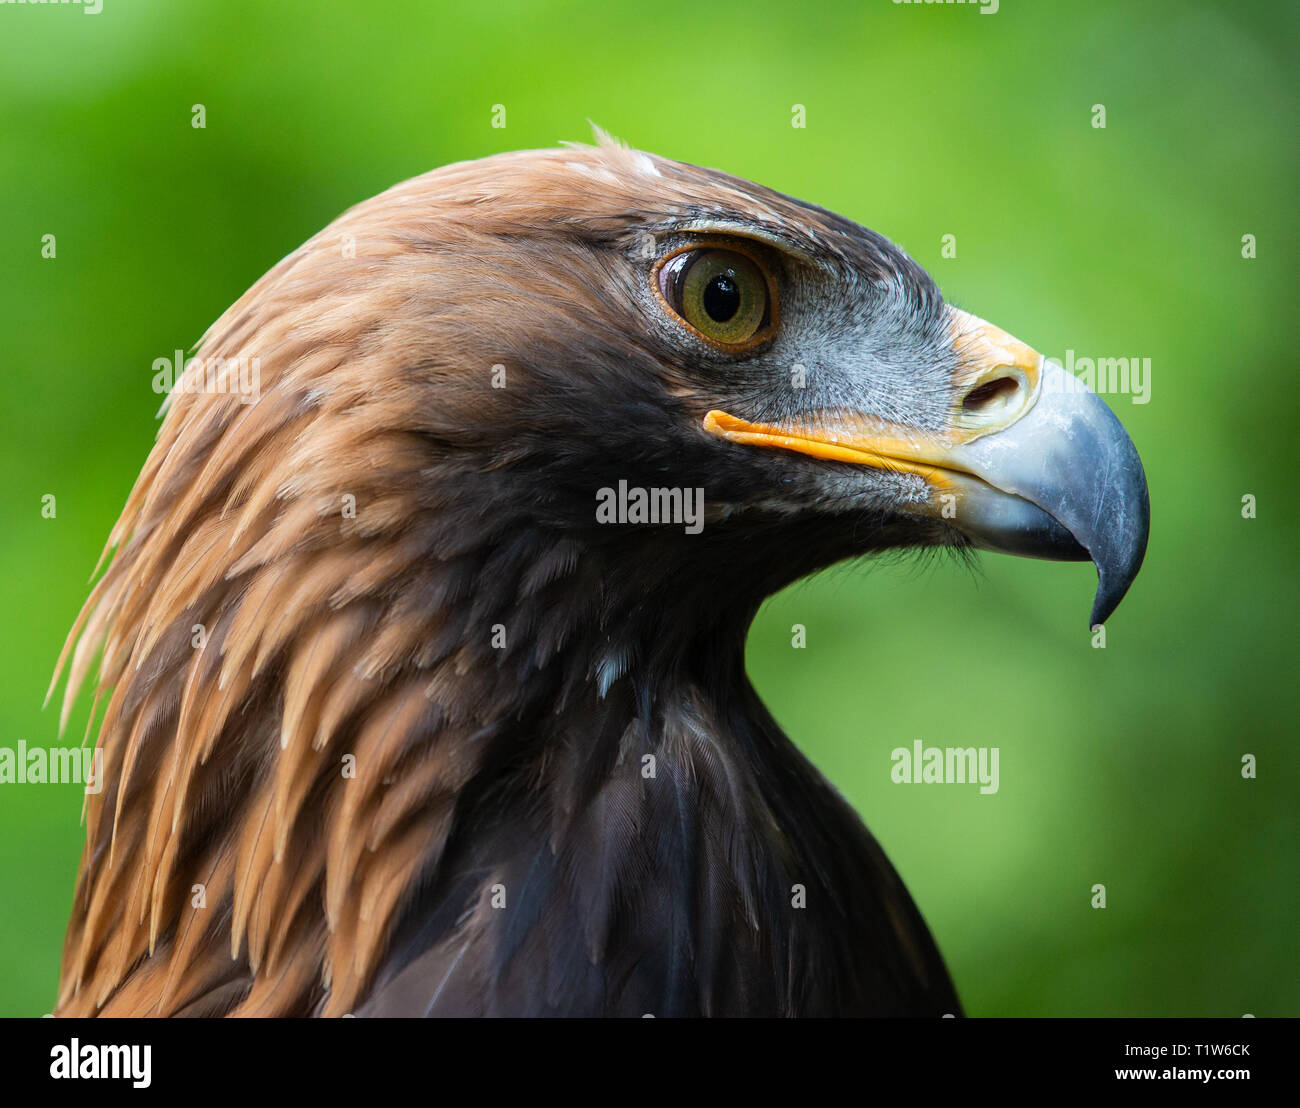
<point x="721" y="298"/>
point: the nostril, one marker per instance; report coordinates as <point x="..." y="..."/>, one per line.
<point x="991" y="397"/>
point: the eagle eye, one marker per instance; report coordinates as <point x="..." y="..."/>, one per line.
<point x="724" y="295"/>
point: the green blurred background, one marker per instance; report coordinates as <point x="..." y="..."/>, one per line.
<point x="1119" y="766"/>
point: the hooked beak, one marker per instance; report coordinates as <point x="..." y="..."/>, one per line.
<point x="1032" y="463"/>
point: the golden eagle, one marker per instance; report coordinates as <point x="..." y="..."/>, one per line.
<point x="421" y="665"/>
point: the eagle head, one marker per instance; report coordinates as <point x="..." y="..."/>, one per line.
<point x="532" y="439"/>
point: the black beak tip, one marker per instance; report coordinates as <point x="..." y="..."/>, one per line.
<point x="1109" y="594"/>
<point x="1119" y="559"/>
